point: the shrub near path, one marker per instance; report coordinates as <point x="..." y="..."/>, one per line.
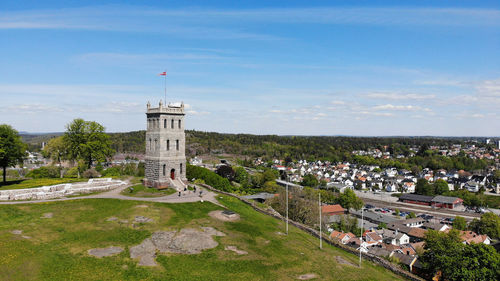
<point x="58" y="247"/>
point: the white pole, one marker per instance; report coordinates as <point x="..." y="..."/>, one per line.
<point x="287" y="207"/>
<point x="361" y="237"/>
<point x="165" y="86"/>
<point x="320" y="240"/>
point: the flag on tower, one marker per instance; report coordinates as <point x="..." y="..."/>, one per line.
<point x="164" y="73"/>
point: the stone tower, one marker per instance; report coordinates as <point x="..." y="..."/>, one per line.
<point x="165" y="146"/>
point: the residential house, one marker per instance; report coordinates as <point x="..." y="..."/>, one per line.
<point x="332" y="210"/>
<point x="341" y="236"/>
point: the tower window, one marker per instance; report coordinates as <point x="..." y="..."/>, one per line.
<point x="179" y="124"/>
<point x="177" y="144"/>
<point x="156" y="144"/>
<point x="165" y="169"/>
<point x="168" y="144"/>
<point x="181" y="169"/>
<point x="165" y="123"/>
<point x="149" y="146"/>
<point x="172" y="123"/>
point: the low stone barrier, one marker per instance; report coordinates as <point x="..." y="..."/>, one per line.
<point x="376" y="259"/>
<point x="60" y="190"/>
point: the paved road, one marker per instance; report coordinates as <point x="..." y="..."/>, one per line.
<point x="187" y="196"/>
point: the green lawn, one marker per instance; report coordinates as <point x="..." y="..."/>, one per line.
<point x="30" y="183"/>
<point x="58" y="246"/>
<point x="140" y="190"/>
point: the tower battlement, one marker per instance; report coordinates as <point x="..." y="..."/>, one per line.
<point x="172" y="108"/>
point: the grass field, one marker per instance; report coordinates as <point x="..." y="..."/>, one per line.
<point x="57" y="249"/>
<point x="140" y="190"/>
<point x="30" y="183"/>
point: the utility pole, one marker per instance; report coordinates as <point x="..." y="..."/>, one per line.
<point x="319" y="203"/>
<point x="361" y="237"/>
<point x="287" y="205"/>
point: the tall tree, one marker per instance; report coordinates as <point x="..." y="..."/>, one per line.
<point x="86" y="140"/>
<point x="348" y="199"/>
<point x="12" y="149"/>
<point x="446" y="253"/>
<point x="440" y="187"/>
<point x="55" y="150"/>
<point x="459" y="223"/>
<point x="423" y="187"/>
<point x="489" y="225"/>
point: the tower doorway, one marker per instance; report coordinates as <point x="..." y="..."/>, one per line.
<point x="172" y="174"/>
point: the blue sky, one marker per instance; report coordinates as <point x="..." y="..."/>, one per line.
<point x="262" y="67"/>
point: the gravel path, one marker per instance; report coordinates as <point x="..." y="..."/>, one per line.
<point x="185" y="197"/>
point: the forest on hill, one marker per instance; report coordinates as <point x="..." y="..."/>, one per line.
<point x="311" y="148"/>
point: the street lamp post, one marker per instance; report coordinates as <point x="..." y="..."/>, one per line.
<point x="287" y="205"/>
<point x="361" y="237"/>
<point x="320" y="236"/>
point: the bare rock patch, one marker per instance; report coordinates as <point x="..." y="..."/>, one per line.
<point x="185" y="241"/>
<point x="16" y="232"/>
<point x="112" y="219"/>
<point x="341" y="260"/>
<point x="224" y="215"/>
<point x="142" y="219"/>
<point x="307" y="276"/>
<point x="142" y="206"/>
<point x="236" y="250"/>
<point x="47" y="215"/>
<point x="105" y="252"/>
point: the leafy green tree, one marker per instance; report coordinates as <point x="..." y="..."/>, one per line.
<point x="241" y="176"/>
<point x="309" y="180"/>
<point x="86" y="140"/>
<point x="12" y="149"/>
<point x="269" y="175"/>
<point x="446" y="253"/>
<point x="348" y="199"/>
<point x="496" y="176"/>
<point x="411" y="215"/>
<point x="459" y="223"/>
<point x="382" y="225"/>
<point x="423" y="187"/>
<point x="55" y="150"/>
<point x="440" y="187"/>
<point x="489" y="224"/>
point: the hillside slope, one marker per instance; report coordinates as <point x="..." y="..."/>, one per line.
<point x="56" y="248"/>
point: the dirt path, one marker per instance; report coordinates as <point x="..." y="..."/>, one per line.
<point x="187" y="196"/>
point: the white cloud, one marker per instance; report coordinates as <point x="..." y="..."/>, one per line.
<point x="398" y="96"/>
<point x="384" y="114"/>
<point x="337" y="102"/>
<point x="31" y="108"/>
<point x="489" y="89"/>
<point x="400" y="107"/>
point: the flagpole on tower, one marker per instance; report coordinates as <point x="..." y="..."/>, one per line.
<point x="164" y="73"/>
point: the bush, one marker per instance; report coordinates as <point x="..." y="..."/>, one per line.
<point x="91" y="173"/>
<point x="71" y="173"/>
<point x="129" y="169"/>
<point x="112" y="172"/>
<point x="209" y="177"/>
<point x="44" y="172"/>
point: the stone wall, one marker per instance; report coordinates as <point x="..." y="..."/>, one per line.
<point x="60" y="190"/>
<point x="378" y="260"/>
